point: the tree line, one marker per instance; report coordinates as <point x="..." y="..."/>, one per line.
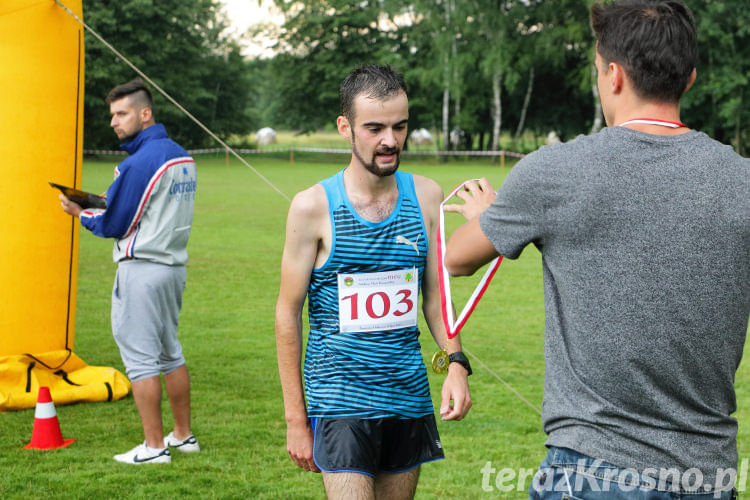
<point x="494" y="71"/>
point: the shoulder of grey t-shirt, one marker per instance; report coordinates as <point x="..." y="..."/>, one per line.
<point x="516" y="217"/>
<point x="543" y="178"/>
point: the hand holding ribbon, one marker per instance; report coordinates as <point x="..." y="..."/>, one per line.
<point x="477" y="195"/>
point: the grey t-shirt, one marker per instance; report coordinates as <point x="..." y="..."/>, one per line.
<point x="645" y="244"/>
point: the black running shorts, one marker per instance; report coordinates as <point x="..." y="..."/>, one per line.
<point x="372" y="446"/>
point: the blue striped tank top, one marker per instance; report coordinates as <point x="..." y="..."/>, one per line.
<point x="366" y="374"/>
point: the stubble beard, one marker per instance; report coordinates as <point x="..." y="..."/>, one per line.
<point x="127" y="138"/>
<point x="372" y="165"/>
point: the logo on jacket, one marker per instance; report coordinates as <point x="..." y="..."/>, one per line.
<point x="184" y="190"/>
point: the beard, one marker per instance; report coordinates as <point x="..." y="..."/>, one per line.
<point x="372" y="165"/>
<point x="127" y="138"/>
<point x="130" y="133"/>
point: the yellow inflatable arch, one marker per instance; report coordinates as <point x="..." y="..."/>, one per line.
<point x="41" y="104"/>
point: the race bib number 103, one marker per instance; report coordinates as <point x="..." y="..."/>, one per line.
<point x="370" y="302"/>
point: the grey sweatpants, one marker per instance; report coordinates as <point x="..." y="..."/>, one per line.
<point x="146" y="302"/>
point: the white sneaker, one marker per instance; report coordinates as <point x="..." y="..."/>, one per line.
<point x="187" y="445"/>
<point x="142" y="454"/>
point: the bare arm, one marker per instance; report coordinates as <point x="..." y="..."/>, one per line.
<point x="303" y="237"/>
<point x="468" y="248"/>
<point x="456" y="385"/>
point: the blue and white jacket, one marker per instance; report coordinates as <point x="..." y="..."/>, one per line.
<point x="150" y="203"/>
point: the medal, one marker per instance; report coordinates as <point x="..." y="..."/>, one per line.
<point x="453" y="326"/>
<point x="440" y="361"/>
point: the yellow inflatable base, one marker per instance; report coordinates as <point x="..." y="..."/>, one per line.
<point x="69" y="378"/>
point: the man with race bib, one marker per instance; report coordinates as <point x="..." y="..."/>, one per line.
<point x="360" y="246"/>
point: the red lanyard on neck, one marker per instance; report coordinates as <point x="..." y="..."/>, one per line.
<point x="452" y="327"/>
<point x="653" y="121"/>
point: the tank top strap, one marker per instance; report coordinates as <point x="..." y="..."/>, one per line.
<point x="406" y="189"/>
<point x="335" y="192"/>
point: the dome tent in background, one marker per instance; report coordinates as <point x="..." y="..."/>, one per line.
<point x="421" y="137"/>
<point x="265" y="136"/>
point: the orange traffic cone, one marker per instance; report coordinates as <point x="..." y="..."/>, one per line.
<point x="46" y="434"/>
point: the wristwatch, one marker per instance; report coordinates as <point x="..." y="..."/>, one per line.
<point x="460" y="358"/>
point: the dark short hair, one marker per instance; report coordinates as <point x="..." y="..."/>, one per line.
<point x="132" y="87"/>
<point x="654" y="40"/>
<point x="375" y="81"/>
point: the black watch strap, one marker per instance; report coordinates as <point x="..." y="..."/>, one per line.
<point x="460" y="358"/>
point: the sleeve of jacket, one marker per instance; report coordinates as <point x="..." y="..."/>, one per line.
<point x="123" y="200"/>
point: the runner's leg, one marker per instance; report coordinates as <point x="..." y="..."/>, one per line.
<point x="348" y="486"/>
<point x="397" y="486"/>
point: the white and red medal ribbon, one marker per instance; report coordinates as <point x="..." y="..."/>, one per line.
<point x="453" y="325"/>
<point x="653" y="121"/>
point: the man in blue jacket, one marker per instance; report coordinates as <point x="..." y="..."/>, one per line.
<point x="149" y="214"/>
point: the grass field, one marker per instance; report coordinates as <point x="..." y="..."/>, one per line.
<point x="227" y="334"/>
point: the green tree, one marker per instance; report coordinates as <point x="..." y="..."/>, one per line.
<point x="178" y="44"/>
<point x="556" y="40"/>
<point x="496" y="27"/>
<point x="322" y="40"/>
<point x="718" y="102"/>
<point x="437" y="35"/>
<point x="487" y="66"/>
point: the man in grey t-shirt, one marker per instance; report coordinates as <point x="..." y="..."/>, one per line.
<point x="644" y="230"/>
